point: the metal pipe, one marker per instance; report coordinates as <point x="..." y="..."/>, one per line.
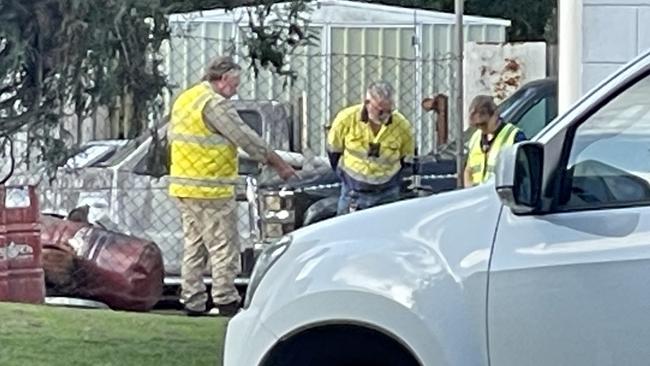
<point x="460" y="39"/>
<point x="252" y="196"/>
<point x="304" y="123"/>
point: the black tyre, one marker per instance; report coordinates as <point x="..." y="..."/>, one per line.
<point x="321" y="210"/>
<point x="341" y="346"/>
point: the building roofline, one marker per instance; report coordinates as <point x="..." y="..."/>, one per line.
<point x="395" y="15"/>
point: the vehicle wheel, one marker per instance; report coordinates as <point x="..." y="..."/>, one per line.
<point x="345" y="346"/>
<point x="321" y="210"/>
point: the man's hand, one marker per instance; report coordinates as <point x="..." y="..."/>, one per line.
<point x="287" y="172"/>
<point x="284" y="170"/>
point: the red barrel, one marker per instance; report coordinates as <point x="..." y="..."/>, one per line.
<point x="4" y="266"/>
<point x="122" y="271"/>
<point x="20" y="217"/>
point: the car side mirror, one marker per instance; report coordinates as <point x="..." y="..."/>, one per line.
<point x="518" y="178"/>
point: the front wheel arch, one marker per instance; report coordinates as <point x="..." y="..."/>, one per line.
<point x="340" y="345"/>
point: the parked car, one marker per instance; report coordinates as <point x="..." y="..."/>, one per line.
<point x="546" y="264"/>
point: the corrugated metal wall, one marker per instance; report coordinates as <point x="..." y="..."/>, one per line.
<point x="417" y="59"/>
<point x="191" y="47"/>
<point x="361" y="55"/>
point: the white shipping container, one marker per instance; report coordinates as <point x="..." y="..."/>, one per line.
<point x="357" y="43"/>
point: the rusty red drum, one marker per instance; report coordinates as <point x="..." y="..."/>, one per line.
<point x="19" y="218"/>
<point x="4" y="267"/>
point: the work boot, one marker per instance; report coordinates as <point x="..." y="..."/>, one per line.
<point x="195" y="313"/>
<point x="227" y="310"/>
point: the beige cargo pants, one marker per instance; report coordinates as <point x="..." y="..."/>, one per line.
<point x="210" y="228"/>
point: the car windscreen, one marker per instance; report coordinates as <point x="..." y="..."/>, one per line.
<point x="253" y="119"/>
<point x="100" y="154"/>
<point x="90" y="155"/>
<point x="120" y="153"/>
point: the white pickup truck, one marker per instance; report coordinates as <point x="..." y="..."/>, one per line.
<point x="114" y="179"/>
<point x="547" y="264"/>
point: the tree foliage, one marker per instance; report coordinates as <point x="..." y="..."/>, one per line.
<point x="530" y="18"/>
<point x="62" y="59"/>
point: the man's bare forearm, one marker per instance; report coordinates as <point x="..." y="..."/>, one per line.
<point x="275" y="161"/>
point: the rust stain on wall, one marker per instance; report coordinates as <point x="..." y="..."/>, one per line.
<point x="504" y="79"/>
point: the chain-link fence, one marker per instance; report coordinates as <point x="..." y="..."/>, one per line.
<point x="325" y="83"/>
<point x="214" y="182"/>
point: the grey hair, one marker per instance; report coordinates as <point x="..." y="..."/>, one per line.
<point x="483" y="104"/>
<point x="220" y="66"/>
<point x="380" y="90"/>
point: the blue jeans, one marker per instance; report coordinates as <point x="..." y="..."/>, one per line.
<point x="351" y="200"/>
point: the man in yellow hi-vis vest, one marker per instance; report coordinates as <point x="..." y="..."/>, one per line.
<point x="369" y="145"/>
<point x="492" y="134"/>
<point x="204" y="133"/>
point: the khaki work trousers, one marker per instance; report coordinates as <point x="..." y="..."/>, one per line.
<point x="210" y="228"/>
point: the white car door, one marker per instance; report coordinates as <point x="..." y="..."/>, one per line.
<point x="572" y="286"/>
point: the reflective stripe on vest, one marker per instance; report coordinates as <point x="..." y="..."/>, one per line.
<point x="213" y="139"/>
<point x="482" y="165"/>
<point x="378" y="160"/>
<point x="206" y="182"/>
<point x="203" y="164"/>
<point x="370" y="179"/>
<point x="371" y="170"/>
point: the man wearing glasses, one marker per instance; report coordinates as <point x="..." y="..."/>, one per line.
<point x="369" y="145"/>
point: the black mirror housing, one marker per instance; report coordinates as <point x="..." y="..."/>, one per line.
<point x="519" y="177"/>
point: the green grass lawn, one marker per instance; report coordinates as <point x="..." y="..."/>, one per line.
<point x="41" y="335"/>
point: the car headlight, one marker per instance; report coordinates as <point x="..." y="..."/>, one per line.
<point x="264" y="262"/>
<point x="277" y="214"/>
<point x="281" y="215"/>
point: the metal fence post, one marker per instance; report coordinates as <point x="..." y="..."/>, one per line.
<point x="459" y="90"/>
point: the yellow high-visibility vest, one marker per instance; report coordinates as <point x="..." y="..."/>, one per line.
<point x="482" y="164"/>
<point x="203" y="164"/>
<point x="352" y="136"/>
